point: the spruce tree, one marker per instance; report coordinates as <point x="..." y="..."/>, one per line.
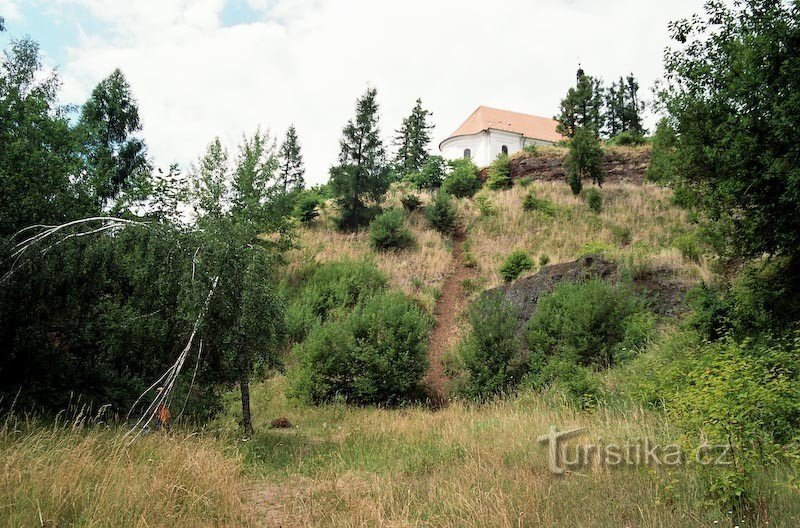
<point x="585" y="159"/>
<point x="582" y="107"/>
<point x="615" y="109"/>
<point x="291" y="169"/>
<point x="412" y="140"/>
<point x="633" y="107"/>
<point x="361" y="178"/>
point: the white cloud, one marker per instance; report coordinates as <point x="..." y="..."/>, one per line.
<point x="307" y="61"/>
<point x="9" y="9"/>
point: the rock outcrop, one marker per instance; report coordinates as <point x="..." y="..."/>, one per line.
<point x="620" y="165"/>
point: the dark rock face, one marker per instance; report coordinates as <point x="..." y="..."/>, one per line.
<point x="619" y="166"/>
<point x="666" y="294"/>
<point x="524" y="294"/>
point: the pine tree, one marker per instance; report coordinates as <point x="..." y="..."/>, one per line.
<point x="632" y="108"/>
<point x="582" y="107"/>
<point x="615" y="108"/>
<point x="291" y="170"/>
<point x="361" y="178"/>
<point x="412" y="140"/>
<point x="584" y="159"/>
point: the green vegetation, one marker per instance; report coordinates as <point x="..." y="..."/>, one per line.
<point x="462" y="182"/>
<point x="594" y="200"/>
<point x="388" y="231"/>
<point x="361" y="179"/>
<point x="499" y="175"/>
<point x="374" y="354"/>
<point x="489" y="351"/>
<point x="584" y="160"/>
<point x="515" y="264"/>
<point x="411" y="202"/>
<point x="442" y="213"/>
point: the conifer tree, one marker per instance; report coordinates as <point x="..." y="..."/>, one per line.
<point x="292" y="170"/>
<point x="412" y="140"/>
<point x="633" y="107"/>
<point x="582" y="107"/>
<point x="361" y="178"/>
<point x="116" y="158"/>
<point x="584" y="159"/>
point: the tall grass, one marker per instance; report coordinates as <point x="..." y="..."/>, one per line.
<point x="88" y="476"/>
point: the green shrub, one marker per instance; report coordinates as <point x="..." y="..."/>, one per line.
<point x="544" y="259"/>
<point x="525" y="181"/>
<point x="376" y="354"/>
<point x="484" y="205"/>
<point x="306" y="208"/>
<point x="628" y="138"/>
<point x="431" y="175"/>
<point x="763" y="299"/>
<point x="331" y="287"/>
<point x="532" y="203"/>
<point x="594" y="248"/>
<point x="388" y="231"/>
<point x="530" y="149"/>
<point x="411" y="202"/>
<point x="516" y="263"/>
<point x="442" y="213"/>
<point x="742" y="395"/>
<point x="594" y="200"/>
<point x="578" y="381"/>
<point x="662" y="159"/>
<point x="499" y="174"/>
<point x="490" y="354"/>
<point x="689" y="247"/>
<point x="462" y="182"/>
<point x="621" y="234"/>
<point x="593" y="324"/>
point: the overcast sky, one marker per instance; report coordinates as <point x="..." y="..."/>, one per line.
<point x="205" y="68"/>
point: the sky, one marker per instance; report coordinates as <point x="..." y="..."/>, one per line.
<point x="223" y="68"/>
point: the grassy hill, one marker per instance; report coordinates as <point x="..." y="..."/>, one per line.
<point x="466" y="464"/>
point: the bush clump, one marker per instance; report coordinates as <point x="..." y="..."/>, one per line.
<point x="306" y="208"/>
<point x="594" y="200"/>
<point x="532" y="203"/>
<point x="331" y="287"/>
<point x="431" y="175"/>
<point x="515" y="264"/>
<point x="388" y="231"/>
<point x="491" y="353"/>
<point x="594" y="324"/>
<point x="441" y="213"/>
<point x="411" y="202"/>
<point x="376" y="354"/>
<point x="462" y="182"/>
<point x="500" y="173"/>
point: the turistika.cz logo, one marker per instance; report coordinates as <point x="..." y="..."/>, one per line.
<point x="563" y="457"/>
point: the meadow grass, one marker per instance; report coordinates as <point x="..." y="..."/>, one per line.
<point x="471" y="465"/>
<point x="62" y="475"/>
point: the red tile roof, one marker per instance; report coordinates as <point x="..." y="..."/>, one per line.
<point x="530" y="126"/>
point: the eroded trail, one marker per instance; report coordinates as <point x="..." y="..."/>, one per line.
<point x="445" y="332"/>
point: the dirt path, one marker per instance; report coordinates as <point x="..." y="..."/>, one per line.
<point x="445" y="332"/>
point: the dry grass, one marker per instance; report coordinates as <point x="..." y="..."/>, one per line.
<point x="61" y="476"/>
<point x="419" y="271"/>
<point x="468" y="466"/>
<point x="638" y="223"/>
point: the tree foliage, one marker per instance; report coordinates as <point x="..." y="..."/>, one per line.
<point x="582" y="107"/>
<point x="413" y="139"/>
<point x="732" y="91"/>
<point x="585" y="159"/>
<point x="361" y="178"/>
<point x="291" y="169"/>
